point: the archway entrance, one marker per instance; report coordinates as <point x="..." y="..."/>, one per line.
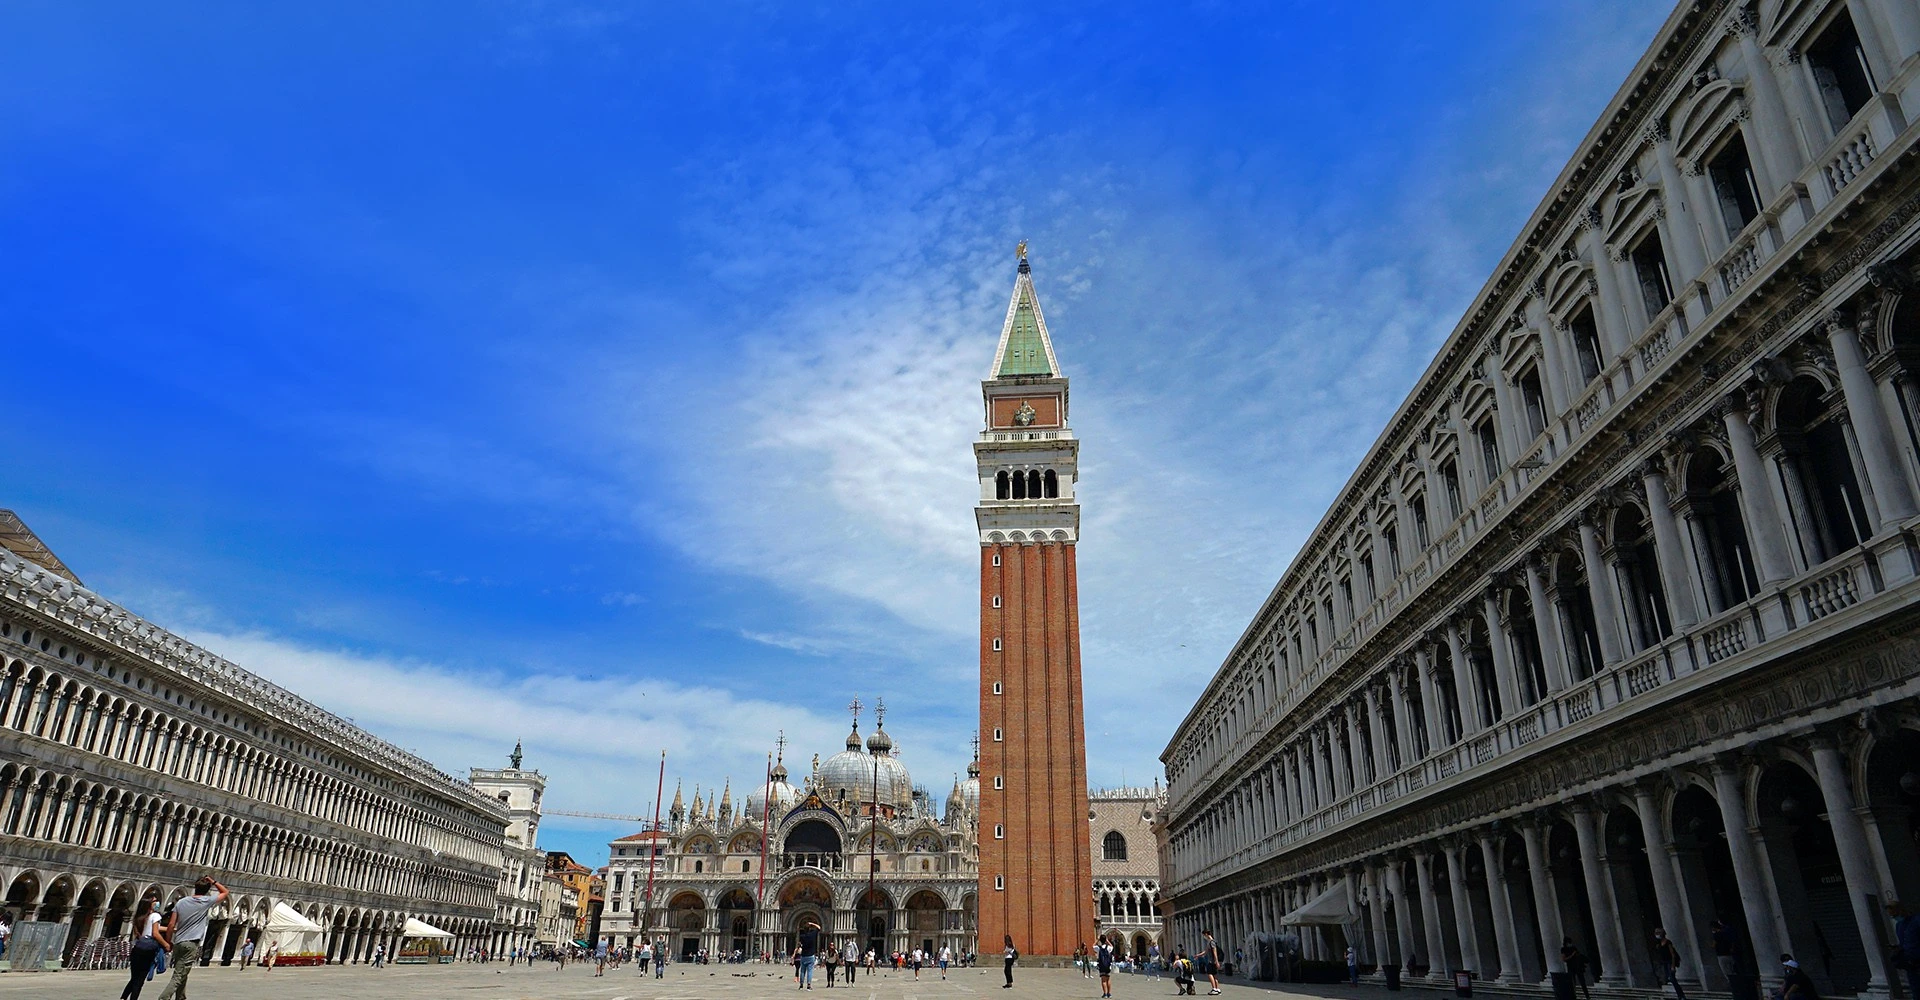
<point x="736" y="920"/>
<point x="924" y="920"/>
<point x="875" y="911"/>
<point x="688" y="917"/>
<point x="802" y="900"/>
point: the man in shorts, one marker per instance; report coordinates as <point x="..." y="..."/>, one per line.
<point x="1210" y="963"/>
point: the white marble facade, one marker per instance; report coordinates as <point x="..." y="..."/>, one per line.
<point x="1615" y="626"/>
<point x="132" y="761"/>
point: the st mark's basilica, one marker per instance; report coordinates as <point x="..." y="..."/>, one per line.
<point x="857" y="848"/>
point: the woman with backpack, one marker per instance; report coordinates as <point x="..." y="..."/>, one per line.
<point x="1013" y="954"/>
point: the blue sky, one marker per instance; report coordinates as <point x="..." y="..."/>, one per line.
<point x="603" y="375"/>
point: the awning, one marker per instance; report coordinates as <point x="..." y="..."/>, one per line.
<point x="1331" y="908"/>
<point x="421" y="929"/>
<point x="286" y="918"/>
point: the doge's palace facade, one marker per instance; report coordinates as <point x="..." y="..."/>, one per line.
<point x="1617" y="625"/>
<point x="132" y="760"/>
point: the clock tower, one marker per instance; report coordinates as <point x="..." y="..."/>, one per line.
<point x="1036" y="865"/>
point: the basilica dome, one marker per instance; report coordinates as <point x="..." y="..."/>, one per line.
<point x="852" y="775"/>
<point x="785" y="797"/>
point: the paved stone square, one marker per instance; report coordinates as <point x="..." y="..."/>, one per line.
<point x="541" y="982"/>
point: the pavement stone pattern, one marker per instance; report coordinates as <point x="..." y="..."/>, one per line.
<point x="466" y="981"/>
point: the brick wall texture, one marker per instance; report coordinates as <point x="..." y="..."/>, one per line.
<point x="1040" y="755"/>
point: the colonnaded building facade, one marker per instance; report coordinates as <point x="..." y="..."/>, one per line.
<point x="132" y="760"/>
<point x="1617" y="625"/>
<point x="912" y="887"/>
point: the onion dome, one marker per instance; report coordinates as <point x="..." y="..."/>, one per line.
<point x="970" y="788"/>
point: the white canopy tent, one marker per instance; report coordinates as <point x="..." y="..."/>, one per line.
<point x="1333" y="908"/>
<point x="421" y="929"/>
<point x="293" y="933"/>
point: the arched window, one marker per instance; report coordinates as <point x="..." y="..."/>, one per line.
<point x="1002" y="490"/>
<point x="1822" y="489"/>
<point x="697" y="866"/>
<point x="1719" y="533"/>
<point x="1113" y="847"/>
<point x="1019" y="486"/>
<point x="1033" y="483"/>
<point x="1575" y="606"/>
<point x="1050" y="484"/>
<point x="1641" y="591"/>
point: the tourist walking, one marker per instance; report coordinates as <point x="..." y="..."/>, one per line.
<point x="1103" y="961"/>
<point x="1153" y="960"/>
<point x="850" y="958"/>
<point x="646" y="956"/>
<point x="1012" y="955"/>
<point x="831" y="958"/>
<point x="246" y="953"/>
<point x="379" y="956"/>
<point x="149" y="943"/>
<point x="1666" y="959"/>
<point x="1353" y="967"/>
<point x="660" y="960"/>
<point x="946" y="956"/>
<point x="186" y="929"/>
<point x="1576" y="963"/>
<point x="1209" y="964"/>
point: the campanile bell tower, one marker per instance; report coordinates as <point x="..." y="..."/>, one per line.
<point x="1036" y="865"/>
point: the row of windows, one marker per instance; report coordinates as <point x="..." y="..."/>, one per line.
<point x="1032" y="484"/>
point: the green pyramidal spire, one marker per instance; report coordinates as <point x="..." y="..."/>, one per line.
<point x="1024" y="347"/>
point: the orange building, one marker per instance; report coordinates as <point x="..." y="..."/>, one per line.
<point x="1035" y="861"/>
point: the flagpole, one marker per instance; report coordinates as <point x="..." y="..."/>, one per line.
<point x="766" y="816"/>
<point x="653" y="852"/>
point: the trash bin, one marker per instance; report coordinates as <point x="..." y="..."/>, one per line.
<point x="1562" y="985"/>
<point x="1393" y="977"/>
<point x="1744" y="986"/>
<point x="1462" y="983"/>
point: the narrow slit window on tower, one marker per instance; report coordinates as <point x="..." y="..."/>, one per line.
<point x="997" y="735"/>
<point x="996" y="687"/>
<point x="999" y="832"/>
<point x="999" y="782"/>
<point x="996" y="558"/>
<point x="996" y="600"/>
<point x="996" y="645"/>
<point x="999" y="883"/>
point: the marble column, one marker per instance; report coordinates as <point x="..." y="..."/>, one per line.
<point x="1430" y="916"/>
<point x="1886" y="476"/>
<point x="1505" y="935"/>
<point x="1500" y="644"/>
<point x="1402" y="920"/>
<point x="1430" y="700"/>
<point x="1667" y="886"/>
<point x="1606" y="918"/>
<point x="1606" y="603"/>
<point x="1377" y="730"/>
<point x="1402" y="716"/>
<point x="1764" y="530"/>
<point x="1463" y="909"/>
<point x="1672" y="552"/>
<point x="1856" y="859"/>
<point x="1466" y="682"/>
<point x="1553" y="647"/>
<point x="1690" y="259"/>
<point x="1747" y="871"/>
<point x="1377" y="920"/>
<point x="1775" y="161"/>
<point x="1546" y="905"/>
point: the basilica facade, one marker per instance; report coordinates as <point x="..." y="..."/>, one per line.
<point x="1616" y="627"/>
<point x="856" y="847"/>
